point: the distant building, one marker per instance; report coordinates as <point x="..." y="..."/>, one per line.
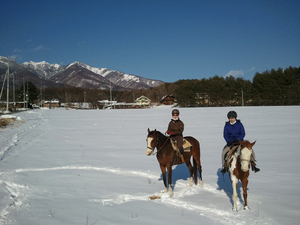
<point x="106" y="104"/>
<point x="167" y="100"/>
<point x="143" y="101"/>
<point x="51" y="103"/>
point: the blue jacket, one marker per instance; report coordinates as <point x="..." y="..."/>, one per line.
<point x="235" y="131"/>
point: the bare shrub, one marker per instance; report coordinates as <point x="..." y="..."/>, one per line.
<point x="6" y="121"/>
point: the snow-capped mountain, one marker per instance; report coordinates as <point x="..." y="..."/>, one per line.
<point x="44" y="69"/>
<point x="76" y="74"/>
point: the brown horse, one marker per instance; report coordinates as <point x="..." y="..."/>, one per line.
<point x="166" y="155"/>
<point x="239" y="169"/>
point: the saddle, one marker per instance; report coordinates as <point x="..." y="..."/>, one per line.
<point x="186" y="147"/>
<point x="185" y="144"/>
<point x="230" y="152"/>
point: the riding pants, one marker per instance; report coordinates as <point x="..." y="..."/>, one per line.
<point x="179" y="139"/>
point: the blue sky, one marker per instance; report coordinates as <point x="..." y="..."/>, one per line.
<point x="166" y="40"/>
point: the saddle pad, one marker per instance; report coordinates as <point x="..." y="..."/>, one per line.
<point x="229" y="153"/>
<point x="185" y="144"/>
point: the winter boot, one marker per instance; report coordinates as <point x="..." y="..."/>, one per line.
<point x="225" y="168"/>
<point x="253" y="166"/>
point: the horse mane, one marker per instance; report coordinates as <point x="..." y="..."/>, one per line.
<point x="235" y="149"/>
<point x="159" y="134"/>
<point x="246" y="144"/>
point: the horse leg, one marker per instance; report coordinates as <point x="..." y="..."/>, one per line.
<point x="234" y="182"/>
<point x="170" y="179"/>
<point x="197" y="163"/>
<point x="245" y="184"/>
<point x="195" y="151"/>
<point x="191" y="169"/>
<point x="163" y="170"/>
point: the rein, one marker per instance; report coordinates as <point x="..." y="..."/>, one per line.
<point x="161" y="146"/>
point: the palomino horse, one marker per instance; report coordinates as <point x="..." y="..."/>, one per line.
<point x="239" y="169"/>
<point x="166" y="154"/>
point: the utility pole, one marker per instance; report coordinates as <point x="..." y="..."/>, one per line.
<point x="41" y="101"/>
<point x="14" y="95"/>
<point x="242" y="97"/>
<point x="110" y="95"/>
<point x="5" y="77"/>
<point x="24" y="78"/>
<point x="7" y="94"/>
<point x="27" y="96"/>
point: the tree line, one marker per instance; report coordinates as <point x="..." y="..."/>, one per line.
<point x="274" y="87"/>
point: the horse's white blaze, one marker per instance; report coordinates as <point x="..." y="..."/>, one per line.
<point x="149" y="151"/>
<point x="245" y="159"/>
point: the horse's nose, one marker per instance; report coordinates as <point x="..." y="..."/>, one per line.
<point x="245" y="168"/>
<point x="149" y="152"/>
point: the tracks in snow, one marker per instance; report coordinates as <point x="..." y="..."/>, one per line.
<point x="18" y="193"/>
<point x="8" y="144"/>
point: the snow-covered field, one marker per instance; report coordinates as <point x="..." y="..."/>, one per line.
<point x="90" y="167"/>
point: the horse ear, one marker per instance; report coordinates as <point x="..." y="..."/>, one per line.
<point x="240" y="142"/>
<point x="253" y="144"/>
<point x="148" y="130"/>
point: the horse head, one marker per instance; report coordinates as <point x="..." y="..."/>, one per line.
<point x="245" y="154"/>
<point x="151" y="141"/>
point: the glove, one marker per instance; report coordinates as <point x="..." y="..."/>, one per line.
<point x="170" y="132"/>
<point x="229" y="143"/>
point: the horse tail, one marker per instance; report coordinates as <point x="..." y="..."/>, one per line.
<point x="195" y="171"/>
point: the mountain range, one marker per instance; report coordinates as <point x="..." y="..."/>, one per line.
<point x="75" y="74"/>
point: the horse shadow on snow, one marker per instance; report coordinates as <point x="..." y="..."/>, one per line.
<point x="224" y="183"/>
<point x="179" y="172"/>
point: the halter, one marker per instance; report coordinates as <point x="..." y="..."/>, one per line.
<point x="244" y="160"/>
<point x="155" y="146"/>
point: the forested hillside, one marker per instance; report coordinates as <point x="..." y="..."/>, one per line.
<point x="272" y="87"/>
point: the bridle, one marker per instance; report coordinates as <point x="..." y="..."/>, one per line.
<point x="155" y="146"/>
<point x="149" y="147"/>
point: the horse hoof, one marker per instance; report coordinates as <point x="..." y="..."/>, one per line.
<point x="201" y="183"/>
<point x="234" y="209"/>
<point x="246" y="208"/>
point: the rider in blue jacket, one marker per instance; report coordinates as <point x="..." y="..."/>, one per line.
<point x="233" y="132"/>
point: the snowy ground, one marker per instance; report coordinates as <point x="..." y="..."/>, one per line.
<point x="90" y="167"/>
